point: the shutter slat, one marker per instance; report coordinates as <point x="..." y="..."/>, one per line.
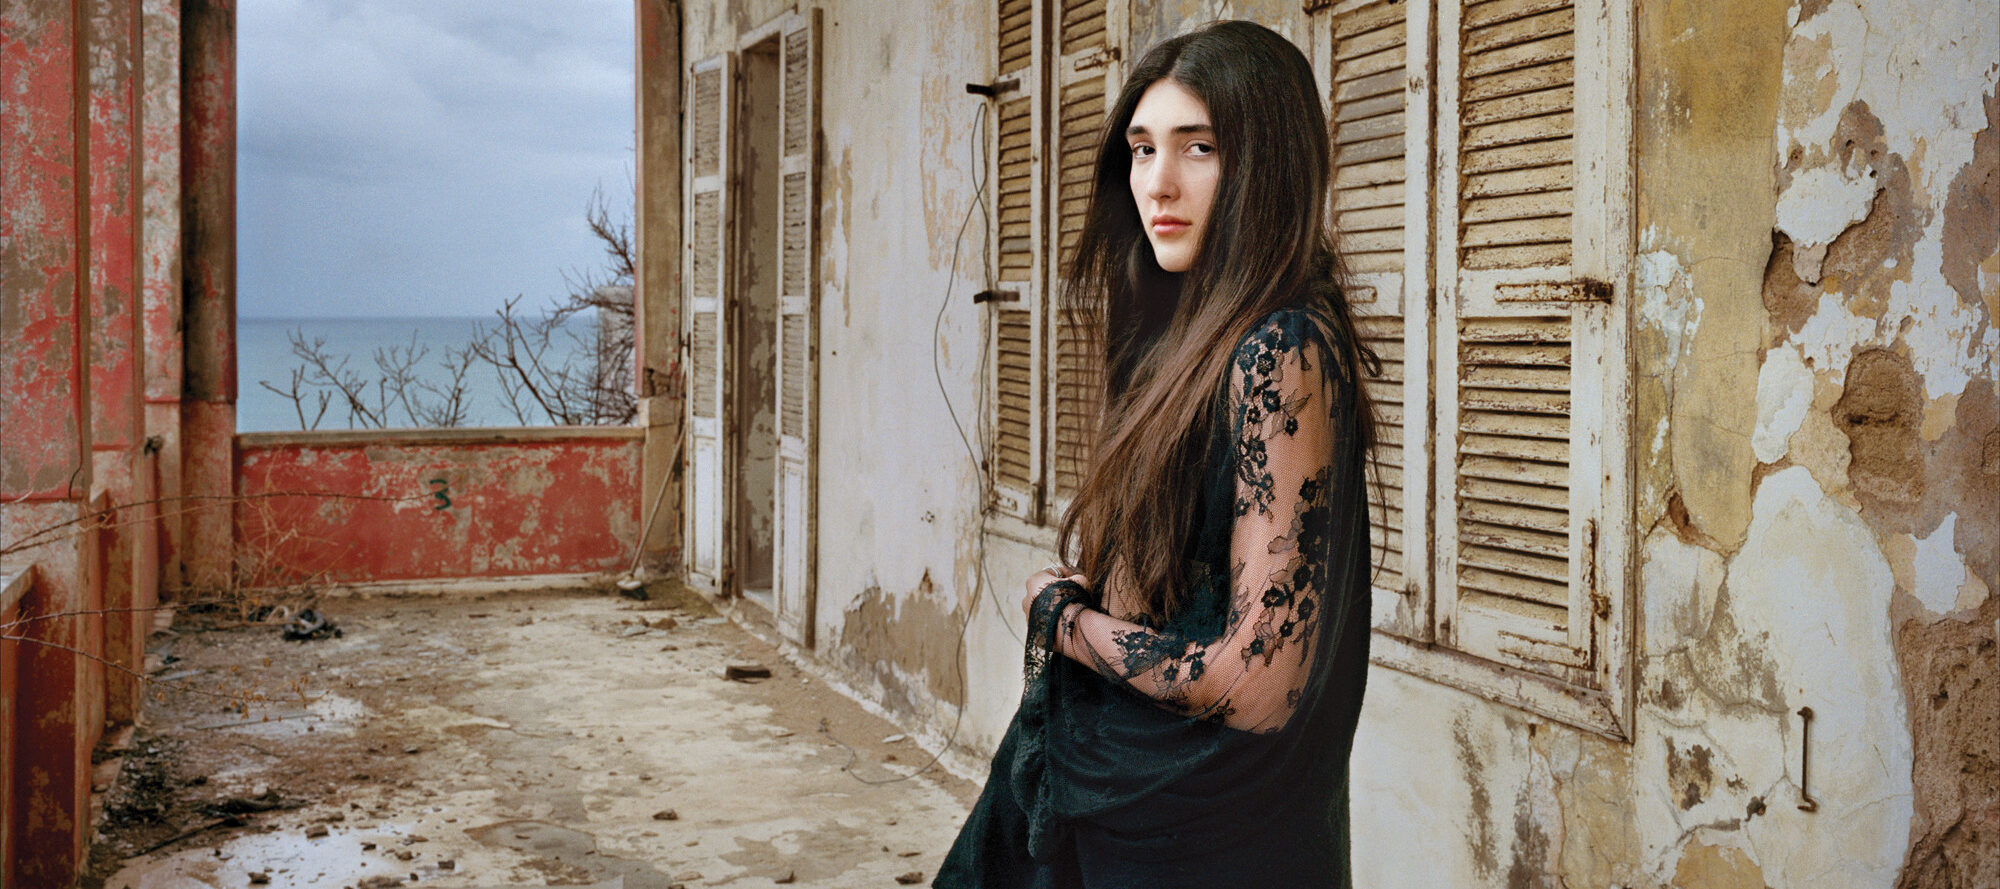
<point x="1519" y="131"/>
<point x="1529" y="566"/>
<point x="1522" y="589"/>
<point x="1369" y="85"/>
<point x="1370" y="106"/>
<point x="1524" y="472"/>
<point x="1386" y="127"/>
<point x="1522" y="206"/>
<point x="1479" y="15"/>
<point x="1516" y="157"/>
<point x="1388" y="194"/>
<point x="1561" y="99"/>
<point x="1487" y="38"/>
<point x="1520" y="81"/>
<point x="1517" y="256"/>
<point x="1550" y="497"/>
<point x="1014" y="396"/>
<point x="1390" y="241"/>
<point x="1552" y="49"/>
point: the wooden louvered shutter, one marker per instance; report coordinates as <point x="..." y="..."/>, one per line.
<point x="1085" y="76"/>
<point x="705" y="272"/>
<point x="1381" y="204"/>
<point x="798" y="238"/>
<point x="1016" y="393"/>
<point x="1532" y="381"/>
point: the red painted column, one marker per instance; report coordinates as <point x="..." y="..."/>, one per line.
<point x="120" y="468"/>
<point x="45" y="462"/>
<point x="208" y="290"/>
<point x="161" y="267"/>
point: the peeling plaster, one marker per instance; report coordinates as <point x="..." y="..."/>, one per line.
<point x="1812" y="581"/>
<point x="1784" y="393"/>
<point x="1941" y="581"/>
<point x="1817" y="206"/>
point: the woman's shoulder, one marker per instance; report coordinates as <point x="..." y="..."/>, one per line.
<point x="1288" y="329"/>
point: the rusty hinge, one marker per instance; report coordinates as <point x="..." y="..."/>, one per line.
<point x="1600" y="604"/>
<point x="1103" y="55"/>
<point x="1580" y="290"/>
<point x="1529" y="648"/>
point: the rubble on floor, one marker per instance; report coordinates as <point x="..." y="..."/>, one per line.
<point x="517" y="740"/>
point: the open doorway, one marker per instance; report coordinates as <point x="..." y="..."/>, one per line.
<point x="755" y="355"/>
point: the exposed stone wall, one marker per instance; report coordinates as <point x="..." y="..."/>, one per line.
<point x="1818" y="460"/>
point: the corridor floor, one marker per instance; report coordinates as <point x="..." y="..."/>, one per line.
<point x="519" y="740"/>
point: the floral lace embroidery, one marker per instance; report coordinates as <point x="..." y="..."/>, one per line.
<point x="1252" y="674"/>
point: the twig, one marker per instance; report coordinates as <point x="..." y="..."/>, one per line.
<point x="232" y="821"/>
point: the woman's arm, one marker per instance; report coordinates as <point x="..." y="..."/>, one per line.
<point x="1251" y="677"/>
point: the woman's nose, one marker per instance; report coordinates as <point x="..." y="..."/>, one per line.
<point x="1162" y="180"/>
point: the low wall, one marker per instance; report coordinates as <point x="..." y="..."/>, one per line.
<point x="357" y="507"/>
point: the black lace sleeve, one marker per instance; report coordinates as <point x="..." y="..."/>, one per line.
<point x="1251" y="676"/>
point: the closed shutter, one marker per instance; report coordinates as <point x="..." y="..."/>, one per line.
<point x="1015" y="459"/>
<point x="1381" y="167"/>
<point x="704" y="268"/>
<point x="797" y="324"/>
<point x="1084" y="78"/>
<point x="1532" y="382"/>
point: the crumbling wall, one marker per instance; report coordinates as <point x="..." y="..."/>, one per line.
<point x="330" y="508"/>
<point x="1818" y="487"/>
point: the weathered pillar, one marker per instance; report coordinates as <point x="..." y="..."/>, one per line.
<point x="45" y="463"/>
<point x="120" y="468"/>
<point x="161" y="260"/>
<point x="657" y="328"/>
<point x="208" y="290"/>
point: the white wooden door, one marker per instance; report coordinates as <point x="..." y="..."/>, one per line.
<point x="798" y="315"/>
<point x="705" y="273"/>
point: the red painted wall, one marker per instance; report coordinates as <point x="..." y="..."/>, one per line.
<point x="355" y="507"/>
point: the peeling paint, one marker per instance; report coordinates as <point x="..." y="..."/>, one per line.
<point x="395" y="507"/>
<point x="1784" y="393"/>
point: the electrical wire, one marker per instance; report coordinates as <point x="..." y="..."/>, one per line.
<point x="979" y="160"/>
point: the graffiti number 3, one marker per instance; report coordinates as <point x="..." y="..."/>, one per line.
<point x="441" y="492"/>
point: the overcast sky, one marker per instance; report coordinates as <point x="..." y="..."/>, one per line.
<point x="425" y="157"/>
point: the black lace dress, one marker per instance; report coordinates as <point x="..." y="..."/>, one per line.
<point x="1211" y="750"/>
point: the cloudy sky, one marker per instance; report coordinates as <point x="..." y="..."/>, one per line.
<point x="425" y="157"/>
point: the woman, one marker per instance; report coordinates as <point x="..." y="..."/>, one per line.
<point x="1194" y="682"/>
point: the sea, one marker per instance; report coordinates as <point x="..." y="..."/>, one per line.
<point x="264" y="354"/>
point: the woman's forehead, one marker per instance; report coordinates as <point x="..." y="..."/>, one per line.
<point x="1166" y="106"/>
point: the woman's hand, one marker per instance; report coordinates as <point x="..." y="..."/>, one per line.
<point x="1040" y="580"/>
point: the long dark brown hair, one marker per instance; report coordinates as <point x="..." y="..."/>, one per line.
<point x="1167" y="338"/>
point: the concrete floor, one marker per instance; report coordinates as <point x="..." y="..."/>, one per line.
<point x="517" y="740"/>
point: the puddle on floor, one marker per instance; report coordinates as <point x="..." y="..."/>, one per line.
<point x="323" y="712"/>
<point x="288" y="858"/>
<point x="568" y="850"/>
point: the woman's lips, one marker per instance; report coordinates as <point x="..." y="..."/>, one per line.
<point x="1169" y="225"/>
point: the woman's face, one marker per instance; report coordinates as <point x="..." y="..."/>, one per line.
<point x="1174" y="171"/>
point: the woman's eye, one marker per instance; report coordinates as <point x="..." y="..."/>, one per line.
<point x="1201" y="148"/>
<point x="1142" y="150"/>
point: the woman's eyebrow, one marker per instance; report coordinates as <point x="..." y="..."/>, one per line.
<point x="1182" y="130"/>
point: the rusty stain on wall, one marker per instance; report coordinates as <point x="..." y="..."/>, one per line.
<point x="909" y="644"/>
